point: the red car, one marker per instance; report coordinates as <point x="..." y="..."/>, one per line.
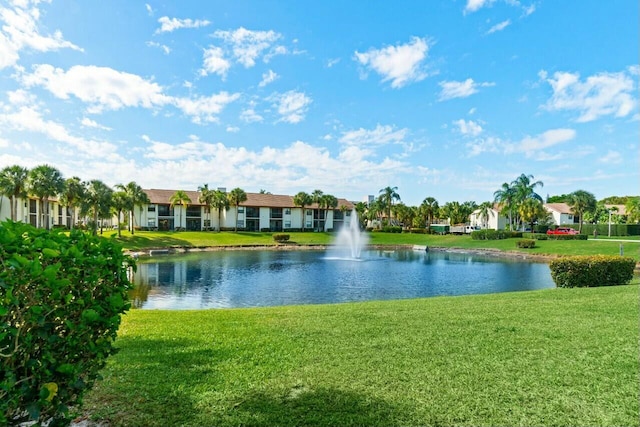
<point x="562" y="230"/>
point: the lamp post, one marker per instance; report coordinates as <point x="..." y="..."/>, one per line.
<point x="609" y="222"/>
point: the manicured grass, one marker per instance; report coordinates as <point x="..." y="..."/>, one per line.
<point x="553" y="357"/>
<point x="146" y="239"/>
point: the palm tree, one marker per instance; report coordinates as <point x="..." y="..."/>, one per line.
<point x="530" y="210"/>
<point x="237" y="196"/>
<point x="328" y="202"/>
<point x="119" y="202"/>
<point x="303" y="200"/>
<point x="135" y="197"/>
<point x="506" y="197"/>
<point x="524" y="189"/>
<point x="633" y="209"/>
<point x="316" y="197"/>
<point x="72" y="195"/>
<point x="430" y="209"/>
<point x="485" y="210"/>
<point x="45" y="181"/>
<point x="206" y="198"/>
<point x="582" y="201"/>
<point x="220" y="202"/>
<point x="387" y="196"/>
<point x="179" y="198"/>
<point x="97" y="200"/>
<point x="13" y="183"/>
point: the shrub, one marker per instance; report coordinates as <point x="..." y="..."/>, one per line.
<point x="591" y="271"/>
<point x="526" y="244"/>
<point x="62" y="298"/>
<point x="536" y="236"/>
<point x="567" y="236"/>
<point x="281" y="237"/>
<point x="392" y="229"/>
<point x="490" y="234"/>
<point x="418" y="230"/>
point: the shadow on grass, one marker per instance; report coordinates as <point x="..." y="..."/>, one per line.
<point x="136" y="242"/>
<point x="319" y="407"/>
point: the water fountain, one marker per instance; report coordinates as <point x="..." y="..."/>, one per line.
<point x="350" y="240"/>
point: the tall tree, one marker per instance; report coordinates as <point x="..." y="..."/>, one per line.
<point x="506" y="197"/>
<point x="181" y="198"/>
<point x="97" y="200"/>
<point x="429" y="207"/>
<point x="206" y="198"/>
<point x="72" y="196"/>
<point x="135" y="197"/>
<point x="633" y="209"/>
<point x="303" y="200"/>
<point x="119" y="203"/>
<point x="582" y="201"/>
<point x="530" y="210"/>
<point x="237" y="196"/>
<point x="44" y="182"/>
<point x="484" y="211"/>
<point x="387" y="196"/>
<point x="329" y="202"/>
<point x="220" y="202"/>
<point x="13" y="184"/>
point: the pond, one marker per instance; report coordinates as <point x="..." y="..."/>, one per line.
<point x="226" y="279"/>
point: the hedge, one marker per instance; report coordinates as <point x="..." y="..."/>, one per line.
<point x="281" y="237"/>
<point x="490" y="234"/>
<point x="526" y="244"/>
<point x="592" y="271"/>
<point x="62" y="298"/>
<point x="616" y="229"/>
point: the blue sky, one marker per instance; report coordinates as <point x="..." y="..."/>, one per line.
<point x="447" y="99"/>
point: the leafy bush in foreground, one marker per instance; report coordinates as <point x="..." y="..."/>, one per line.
<point x="62" y="298"/>
<point x="591" y="271"/>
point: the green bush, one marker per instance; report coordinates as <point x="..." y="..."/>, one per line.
<point x="62" y="298"/>
<point x="418" y="230"/>
<point x="592" y="271"/>
<point x="281" y="237"/>
<point x="535" y="236"/>
<point x="490" y="234"/>
<point x="567" y="236"/>
<point x="392" y="229"/>
<point x="526" y="244"/>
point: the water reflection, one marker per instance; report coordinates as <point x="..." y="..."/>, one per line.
<point x="268" y="278"/>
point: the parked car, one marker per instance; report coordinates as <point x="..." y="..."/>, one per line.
<point x="562" y="230"/>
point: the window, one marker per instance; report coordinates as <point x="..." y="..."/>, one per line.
<point x="308" y="224"/>
<point x="151" y="208"/>
<point x="207" y="223"/>
<point x="276" y="212"/>
<point x="309" y="212"/>
<point x="253" y="212"/>
<point x="194" y="211"/>
<point x="287" y="211"/>
<point x="240" y="209"/>
<point x="287" y="224"/>
<point x="151" y="222"/>
<point x="240" y="223"/>
<point x="165" y="210"/>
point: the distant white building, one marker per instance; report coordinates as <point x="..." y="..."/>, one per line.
<point x="562" y="213"/>
<point x="495" y="220"/>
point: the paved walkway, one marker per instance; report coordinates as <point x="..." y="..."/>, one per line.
<point x="613" y="240"/>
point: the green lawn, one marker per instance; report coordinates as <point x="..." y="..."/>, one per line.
<point x="146" y="240"/>
<point x="552" y="357"/>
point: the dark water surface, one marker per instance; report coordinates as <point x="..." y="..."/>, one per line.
<point x="225" y="279"/>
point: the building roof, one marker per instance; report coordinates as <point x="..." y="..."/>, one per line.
<point x="157" y="196"/>
<point x="561" y="208"/>
<point x="617" y="209"/>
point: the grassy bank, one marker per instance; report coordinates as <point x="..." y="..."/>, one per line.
<point x="554" y="357"/>
<point x="146" y="240"/>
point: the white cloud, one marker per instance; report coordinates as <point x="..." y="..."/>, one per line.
<point x="29" y="119"/>
<point x="402" y="64"/>
<point x="247" y="45"/>
<point x="601" y="94"/>
<point x="292" y="106"/>
<point x="475" y="5"/>
<point x="233" y="129"/>
<point x="381" y="135"/>
<point x="166" y="49"/>
<point x="332" y="62"/>
<point x="612" y="157"/>
<point x="101" y="87"/>
<point x="468" y="128"/>
<point x="250" y="116"/>
<point x="20" y="31"/>
<point x="87" y="122"/>
<point x="484" y="145"/>
<point x="168" y="25"/>
<point x="454" y="89"/>
<point x="21" y="97"/>
<point x="499" y="27"/>
<point x="268" y="77"/>
<point x="149" y="9"/>
<point x="214" y="62"/>
<point x="531" y="146"/>
<point x="205" y="108"/>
